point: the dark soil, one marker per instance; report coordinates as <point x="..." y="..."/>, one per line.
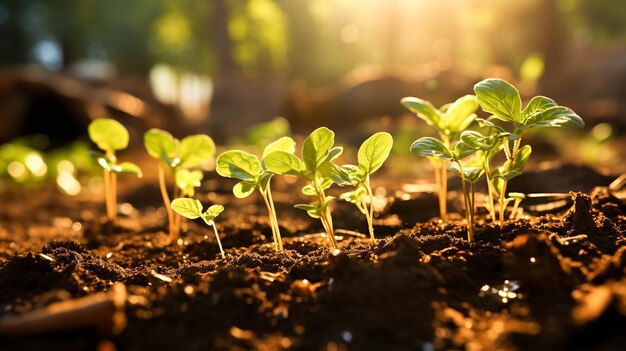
<point x="551" y="281"/>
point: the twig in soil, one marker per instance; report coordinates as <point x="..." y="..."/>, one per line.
<point x="102" y="310"/>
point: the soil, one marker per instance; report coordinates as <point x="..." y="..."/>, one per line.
<point x="552" y="279"/>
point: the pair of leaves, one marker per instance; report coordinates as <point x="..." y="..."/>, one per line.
<point x="108" y="134"/>
<point x="247" y="167"/>
<point x="192" y="209"/>
<point x="315" y="209"/>
<point x="189" y="152"/>
<point x="503" y="100"/>
<point x="513" y="167"/>
<point x="451" y="119"/>
<point x="123" y="167"/>
<point x="432" y="147"/>
<point x="471" y="174"/>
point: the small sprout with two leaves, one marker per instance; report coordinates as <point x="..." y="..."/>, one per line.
<point x="110" y="136"/>
<point x="317" y="168"/>
<point x="192" y="209"/>
<point x="180" y="157"/>
<point x="450" y="121"/>
<point x="503" y="101"/>
<point x="431" y="147"/>
<point x="371" y="156"/>
<point x="253" y="175"/>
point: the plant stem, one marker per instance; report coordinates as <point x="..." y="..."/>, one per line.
<point x="327" y="220"/>
<point x="218" y="240"/>
<point x="273" y="217"/>
<point x="514" y="210"/>
<point x="490" y="190"/>
<point x="436" y="164"/>
<point x="273" y="221"/>
<point x="502" y="204"/>
<point x="443" y="193"/>
<point x="107" y="195"/>
<point x="370" y="213"/>
<point x="468" y="211"/>
<point x="113" y="195"/>
<point x="166" y="201"/>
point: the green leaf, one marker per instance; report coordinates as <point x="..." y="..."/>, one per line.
<point x="479" y="141"/>
<point x="211" y="213"/>
<point x="462" y="150"/>
<point x="471" y="174"/>
<point x="500" y="98"/>
<point x="536" y="104"/>
<point x="316" y="146"/>
<point x="161" y="145"/>
<point x="196" y="150"/>
<point x="281" y="162"/>
<point x="334" y="153"/>
<point x="460" y="114"/>
<point x="109" y="134"/>
<point x="424" y="110"/>
<point x="309" y="190"/>
<point x="521" y="158"/>
<point x="238" y="164"/>
<point x="431" y="147"/>
<point x="188" y="180"/>
<point x="243" y="189"/>
<point x="329" y="170"/>
<point x="188" y="208"/>
<point x="374" y="151"/>
<point x="286" y="144"/>
<point x="306" y="207"/>
<point x="558" y="116"/>
<point x="127" y="167"/>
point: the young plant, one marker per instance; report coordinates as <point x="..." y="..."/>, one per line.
<point x="110" y="136"/>
<point x="176" y="156"/>
<point x="503" y="100"/>
<point x="253" y="175"/>
<point x="371" y="156"/>
<point x="317" y="168"/>
<point x="192" y="209"/>
<point x="449" y="120"/>
<point x="517" y="198"/>
<point x="431" y="147"/>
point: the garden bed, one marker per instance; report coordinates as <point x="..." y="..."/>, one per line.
<point x="547" y="281"/>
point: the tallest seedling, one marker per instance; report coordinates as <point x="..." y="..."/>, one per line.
<point x="501" y="99"/>
<point x="450" y="120"/>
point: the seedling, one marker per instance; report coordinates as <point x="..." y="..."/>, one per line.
<point x="253" y="175"/>
<point x="371" y="156"/>
<point x="450" y="120"/>
<point x="317" y="168"/>
<point x="192" y="209"/>
<point x="178" y="155"/>
<point x="502" y="99"/>
<point x="110" y="136"/>
<point x="432" y="147"/>
<point x="517" y="198"/>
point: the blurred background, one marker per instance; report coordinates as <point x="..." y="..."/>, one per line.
<point x="222" y="67"/>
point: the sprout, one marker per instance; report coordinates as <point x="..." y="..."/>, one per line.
<point x="517" y="198"/>
<point x="450" y="120"/>
<point x="432" y="147"/>
<point x="317" y="168"/>
<point x="371" y="156"/>
<point x="501" y="99"/>
<point x="253" y="174"/>
<point x="192" y="209"/>
<point x="110" y="136"/>
<point x="179" y="156"/>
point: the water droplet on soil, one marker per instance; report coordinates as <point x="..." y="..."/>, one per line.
<point x="346" y="335"/>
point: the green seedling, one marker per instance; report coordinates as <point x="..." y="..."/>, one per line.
<point x="317" y="168"/>
<point x="431" y="147"/>
<point x="110" y="136"/>
<point x="371" y="156"/>
<point x="253" y="175"/>
<point x="176" y="156"/>
<point x="517" y="198"/>
<point x="449" y="120"/>
<point x="192" y="209"/>
<point x="503" y="101"/>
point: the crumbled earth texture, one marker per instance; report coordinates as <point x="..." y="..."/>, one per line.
<point x="552" y="279"/>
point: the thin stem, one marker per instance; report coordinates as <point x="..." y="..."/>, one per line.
<point x="468" y="215"/>
<point x="515" y="207"/>
<point x="325" y="216"/>
<point x="271" y="217"/>
<point x="113" y="195"/>
<point x="502" y="204"/>
<point x="274" y="217"/>
<point x="443" y="200"/>
<point x="166" y="201"/>
<point x="490" y="190"/>
<point x="218" y="240"/>
<point x="370" y="214"/>
<point x="436" y="164"/>
<point x="107" y="194"/>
